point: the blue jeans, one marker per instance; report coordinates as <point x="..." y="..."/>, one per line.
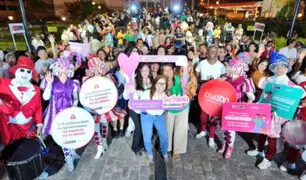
<point x="147" y="122"/>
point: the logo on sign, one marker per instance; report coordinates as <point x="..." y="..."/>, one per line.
<point x="216" y="98"/>
<point x="72" y="117"/>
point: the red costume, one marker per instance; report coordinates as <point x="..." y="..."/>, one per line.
<point x="20" y="107"/>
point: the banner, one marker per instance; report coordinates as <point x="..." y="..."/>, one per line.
<point x="283" y="99"/>
<point x="128" y="65"/>
<point x="242" y="117"/>
<point x="52" y="29"/>
<point x="73" y="128"/>
<point x="80" y="48"/>
<point x="259" y="27"/>
<point x="214" y="94"/>
<point x="99" y="94"/>
<point x="16" y="28"/>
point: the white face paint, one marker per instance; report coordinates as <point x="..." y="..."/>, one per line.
<point x="23" y="75"/>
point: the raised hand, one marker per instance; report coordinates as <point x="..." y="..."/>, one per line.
<point x="49" y="77"/>
<point x="51" y="38"/>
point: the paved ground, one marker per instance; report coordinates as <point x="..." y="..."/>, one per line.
<point x="200" y="163"/>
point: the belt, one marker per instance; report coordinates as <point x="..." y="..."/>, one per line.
<point x="145" y="113"/>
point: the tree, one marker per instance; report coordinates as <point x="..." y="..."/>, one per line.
<point x="81" y="9"/>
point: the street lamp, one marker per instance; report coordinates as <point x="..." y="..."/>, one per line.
<point x="11" y="18"/>
<point x="93" y="3"/>
<point x="300" y="15"/>
<point x="99" y="7"/>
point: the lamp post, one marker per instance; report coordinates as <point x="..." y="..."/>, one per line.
<point x="296" y="10"/>
<point x="24" y="21"/>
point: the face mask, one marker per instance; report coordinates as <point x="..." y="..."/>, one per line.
<point x="23" y="75"/>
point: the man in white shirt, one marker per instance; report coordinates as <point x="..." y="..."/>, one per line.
<point x="36" y="42"/>
<point x="207" y="70"/>
<point x="210" y="68"/>
<point x="290" y="51"/>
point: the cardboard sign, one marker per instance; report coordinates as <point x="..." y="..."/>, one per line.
<point x="214" y="94"/>
<point x="259" y="27"/>
<point x="99" y="94"/>
<point x="251" y="28"/>
<point x="80" y="48"/>
<point x="52" y="29"/>
<point x="16" y="28"/>
<point x="242" y="117"/>
<point x="73" y="128"/>
<point x="283" y="99"/>
<point x="127" y="64"/>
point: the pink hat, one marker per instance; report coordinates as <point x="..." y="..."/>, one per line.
<point x="237" y="66"/>
<point x="95" y="65"/>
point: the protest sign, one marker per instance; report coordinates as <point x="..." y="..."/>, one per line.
<point x="214" y="94"/>
<point x="52" y="29"/>
<point x="99" y="94"/>
<point x="259" y="27"/>
<point x="242" y="117"/>
<point x="80" y="48"/>
<point x="18" y="28"/>
<point x="283" y="99"/>
<point x="73" y="128"/>
<point x="128" y="65"/>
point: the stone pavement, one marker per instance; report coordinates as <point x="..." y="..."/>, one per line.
<point x="118" y="163"/>
<point x="199" y="163"/>
<point x="204" y="163"/>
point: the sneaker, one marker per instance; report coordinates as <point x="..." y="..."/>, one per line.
<point x="255" y="152"/>
<point x="70" y="163"/>
<point x="222" y="149"/>
<point x="211" y="143"/>
<point x="201" y="134"/>
<point x="121" y="133"/>
<point x="43" y="175"/>
<point x="100" y="151"/>
<point x="287" y="166"/>
<point x="128" y="133"/>
<point x="228" y="152"/>
<point x="264" y="164"/>
<point x="166" y="158"/>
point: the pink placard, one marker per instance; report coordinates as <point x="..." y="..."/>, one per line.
<point x="242" y="117"/>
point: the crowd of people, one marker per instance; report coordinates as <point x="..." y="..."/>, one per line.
<point x="214" y="51"/>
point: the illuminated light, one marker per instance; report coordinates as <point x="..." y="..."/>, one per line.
<point x="133" y="7"/>
<point x="217" y="2"/>
<point x="63" y="18"/>
<point x="93" y="3"/>
<point x="211" y="7"/>
<point x="11" y="18"/>
<point x="176" y="8"/>
<point x="99" y="7"/>
<point x="300" y="15"/>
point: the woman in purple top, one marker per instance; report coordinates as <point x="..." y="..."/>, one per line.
<point x="62" y="93"/>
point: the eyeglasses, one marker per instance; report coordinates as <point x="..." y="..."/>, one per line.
<point x="28" y="71"/>
<point x="161" y="84"/>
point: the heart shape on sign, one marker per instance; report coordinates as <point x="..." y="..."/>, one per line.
<point x="128" y="64"/>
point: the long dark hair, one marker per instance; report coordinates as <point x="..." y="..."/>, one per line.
<point x="153" y="88"/>
<point x="138" y="78"/>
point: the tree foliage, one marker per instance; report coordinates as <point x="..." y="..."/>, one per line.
<point x="81" y="9"/>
